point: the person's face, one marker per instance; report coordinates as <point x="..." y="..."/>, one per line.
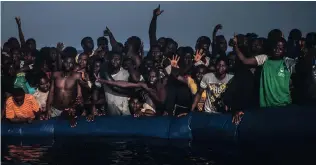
<point x="161" y="42"/>
<point x="200" y="73"/>
<point x="156" y="54"/>
<point x="279" y="49"/>
<point x="134" y="104"/>
<point x="19" y="100"/>
<point x="15" y="44"/>
<point x="149" y="64"/>
<point x="152" y="78"/>
<point x="44" y="85"/>
<point x="222" y="45"/>
<point x="116" y="61"/>
<point x="16" y="55"/>
<point x="231" y="60"/>
<point x="127" y="63"/>
<point x="187" y="59"/>
<point x="256" y="47"/>
<point x="68" y="64"/>
<point x="103" y="45"/>
<point x="97" y="67"/>
<point x="221" y="67"/>
<point x="31" y="45"/>
<point x="53" y="54"/>
<point x="171" y="48"/>
<point x="28" y="58"/>
<point x="82" y="61"/>
<point x="88" y="45"/>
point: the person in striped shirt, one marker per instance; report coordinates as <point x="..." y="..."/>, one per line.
<point x="21" y="107"/>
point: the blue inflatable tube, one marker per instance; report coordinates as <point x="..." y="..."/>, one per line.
<point x="260" y="127"/>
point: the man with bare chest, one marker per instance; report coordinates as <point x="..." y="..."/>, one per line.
<point x="65" y="92"/>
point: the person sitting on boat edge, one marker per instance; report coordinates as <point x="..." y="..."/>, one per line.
<point x="21" y="107"/>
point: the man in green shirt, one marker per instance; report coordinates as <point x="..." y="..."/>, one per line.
<point x="275" y="76"/>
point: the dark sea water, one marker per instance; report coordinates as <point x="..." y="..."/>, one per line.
<point x="105" y="150"/>
<point x="129" y="151"/>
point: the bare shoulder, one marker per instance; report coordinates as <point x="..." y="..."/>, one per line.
<point x="76" y="75"/>
<point x="56" y="75"/>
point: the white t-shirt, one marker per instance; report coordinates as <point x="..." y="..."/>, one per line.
<point x="214" y="90"/>
<point x="117" y="104"/>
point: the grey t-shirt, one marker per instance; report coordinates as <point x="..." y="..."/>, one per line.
<point x="214" y="90"/>
<point x="117" y="104"/>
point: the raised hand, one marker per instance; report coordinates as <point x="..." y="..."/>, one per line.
<point x="60" y="46"/>
<point x="106" y="32"/>
<point x="157" y="11"/>
<point x="218" y="27"/>
<point x="198" y="55"/>
<point x="90" y="117"/>
<point x="235" y="39"/>
<point x="18" y="21"/>
<point x="174" y="61"/>
<point x="237" y="117"/>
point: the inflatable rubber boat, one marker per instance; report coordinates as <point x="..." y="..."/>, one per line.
<point x="292" y="125"/>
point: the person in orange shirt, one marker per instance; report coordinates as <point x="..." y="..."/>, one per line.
<point x="21" y="107"/>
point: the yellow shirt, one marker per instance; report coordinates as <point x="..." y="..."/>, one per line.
<point x="26" y="110"/>
<point x="193" y="87"/>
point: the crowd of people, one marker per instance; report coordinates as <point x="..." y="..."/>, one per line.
<point x="170" y="80"/>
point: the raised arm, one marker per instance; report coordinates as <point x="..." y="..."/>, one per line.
<point x="217" y="27"/>
<point x="153" y="26"/>
<point x="122" y="84"/>
<point x="21" y="36"/>
<point x="60" y="47"/>
<point x="113" y="42"/>
<point x="242" y="58"/>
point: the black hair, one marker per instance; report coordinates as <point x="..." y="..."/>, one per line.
<point x="31" y="40"/>
<point x="222" y="58"/>
<point x="136" y="95"/>
<point x="14" y="49"/>
<point x="18" y="92"/>
<point x="100" y="39"/>
<point x="295" y="34"/>
<point x="39" y="76"/>
<point x="188" y="49"/>
<point x="6" y="44"/>
<point x="70" y="51"/>
<point x="275" y="34"/>
<point x="310" y="40"/>
<point x="219" y="37"/>
<point x="155" y="46"/>
<point x="171" y="41"/>
<point x="135" y="42"/>
<point x="11" y="40"/>
<point x="203" y="40"/>
<point x="196" y="70"/>
<point x="85" y="39"/>
<point x="180" y="51"/>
